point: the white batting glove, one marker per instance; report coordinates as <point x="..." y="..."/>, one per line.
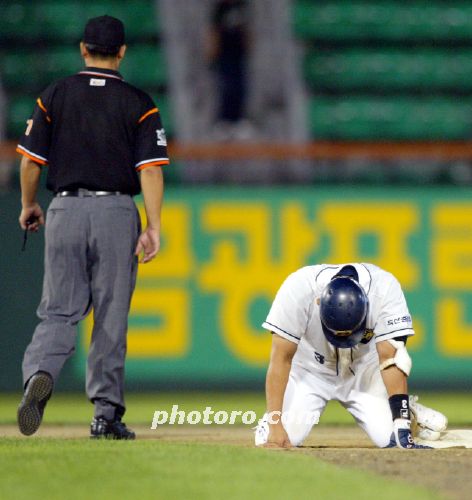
<point x="402" y="435"/>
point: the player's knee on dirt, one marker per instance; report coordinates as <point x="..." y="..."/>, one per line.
<point x="298" y="428"/>
<point x="380" y="433"/>
<point x="383" y="441"/>
<point x="297" y="436"/>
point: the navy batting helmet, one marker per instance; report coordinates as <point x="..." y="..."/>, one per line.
<point x="343" y="309"/>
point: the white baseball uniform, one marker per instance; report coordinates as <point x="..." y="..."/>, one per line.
<point x="320" y="372"/>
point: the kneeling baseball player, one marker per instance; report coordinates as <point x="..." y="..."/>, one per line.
<point x="340" y="333"/>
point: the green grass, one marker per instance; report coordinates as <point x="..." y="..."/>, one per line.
<point x="53" y="468"/>
<point x="74" y="408"/>
<point x="78" y="469"/>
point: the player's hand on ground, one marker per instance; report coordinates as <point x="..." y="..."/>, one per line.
<point x="31" y="217"/>
<point x="278" y="437"/>
<point x="148" y="245"/>
<point x="403" y="436"/>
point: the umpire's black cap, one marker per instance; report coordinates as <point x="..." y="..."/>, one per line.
<point x="343" y="309"/>
<point x="104" y="31"/>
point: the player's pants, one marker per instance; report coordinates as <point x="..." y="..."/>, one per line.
<point x="363" y="395"/>
<point x="89" y="262"/>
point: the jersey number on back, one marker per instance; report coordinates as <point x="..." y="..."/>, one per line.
<point x="29" y="126"/>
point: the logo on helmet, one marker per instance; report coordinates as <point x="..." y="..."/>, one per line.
<point x="367" y="337"/>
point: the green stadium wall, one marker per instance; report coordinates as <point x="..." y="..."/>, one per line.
<point x="196" y="313"/>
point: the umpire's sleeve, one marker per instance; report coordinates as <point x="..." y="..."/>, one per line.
<point x="36" y="139"/>
<point x="151" y="143"/>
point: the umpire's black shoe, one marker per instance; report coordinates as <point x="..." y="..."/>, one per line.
<point x="30" y="412"/>
<point x="101" y="428"/>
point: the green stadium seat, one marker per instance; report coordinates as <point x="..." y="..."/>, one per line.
<point x="142" y="19"/>
<point x="391" y="118"/>
<point x="60" y="62"/>
<point x="387" y="20"/>
<point x="64" y="20"/>
<point x="20" y="109"/>
<point x="60" y="20"/>
<point x="392" y="75"/>
<point x="139" y="16"/>
<point x="17" y="19"/>
<point x="33" y="69"/>
<point x="18" y="70"/>
<point x="428" y="69"/>
<point x="145" y="66"/>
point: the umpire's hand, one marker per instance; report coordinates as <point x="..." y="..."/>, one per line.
<point x="148" y="245"/>
<point x="31" y="217"/>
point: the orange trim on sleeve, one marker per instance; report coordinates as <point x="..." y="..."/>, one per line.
<point x="36" y="160"/>
<point x="41" y="105"/>
<point x="150" y="112"/>
<point x="152" y="164"/>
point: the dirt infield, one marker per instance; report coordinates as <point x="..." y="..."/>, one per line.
<point x="445" y="471"/>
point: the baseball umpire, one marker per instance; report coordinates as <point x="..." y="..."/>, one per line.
<point x="339" y="333"/>
<point x="103" y="142"/>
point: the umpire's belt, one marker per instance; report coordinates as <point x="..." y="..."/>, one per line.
<point x="86" y="192"/>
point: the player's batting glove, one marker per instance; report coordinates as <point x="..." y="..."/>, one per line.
<point x="402" y="435"/>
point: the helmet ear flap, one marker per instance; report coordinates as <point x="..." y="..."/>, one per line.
<point x="343" y="311"/>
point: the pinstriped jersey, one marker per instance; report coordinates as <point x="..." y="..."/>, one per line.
<point x="95" y="131"/>
<point x="295" y="316"/>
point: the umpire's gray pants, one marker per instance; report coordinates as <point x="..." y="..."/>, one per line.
<point x="89" y="262"/>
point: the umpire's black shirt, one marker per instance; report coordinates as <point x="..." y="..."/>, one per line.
<point x="94" y="131"/>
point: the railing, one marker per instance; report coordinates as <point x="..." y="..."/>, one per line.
<point x="307" y="151"/>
